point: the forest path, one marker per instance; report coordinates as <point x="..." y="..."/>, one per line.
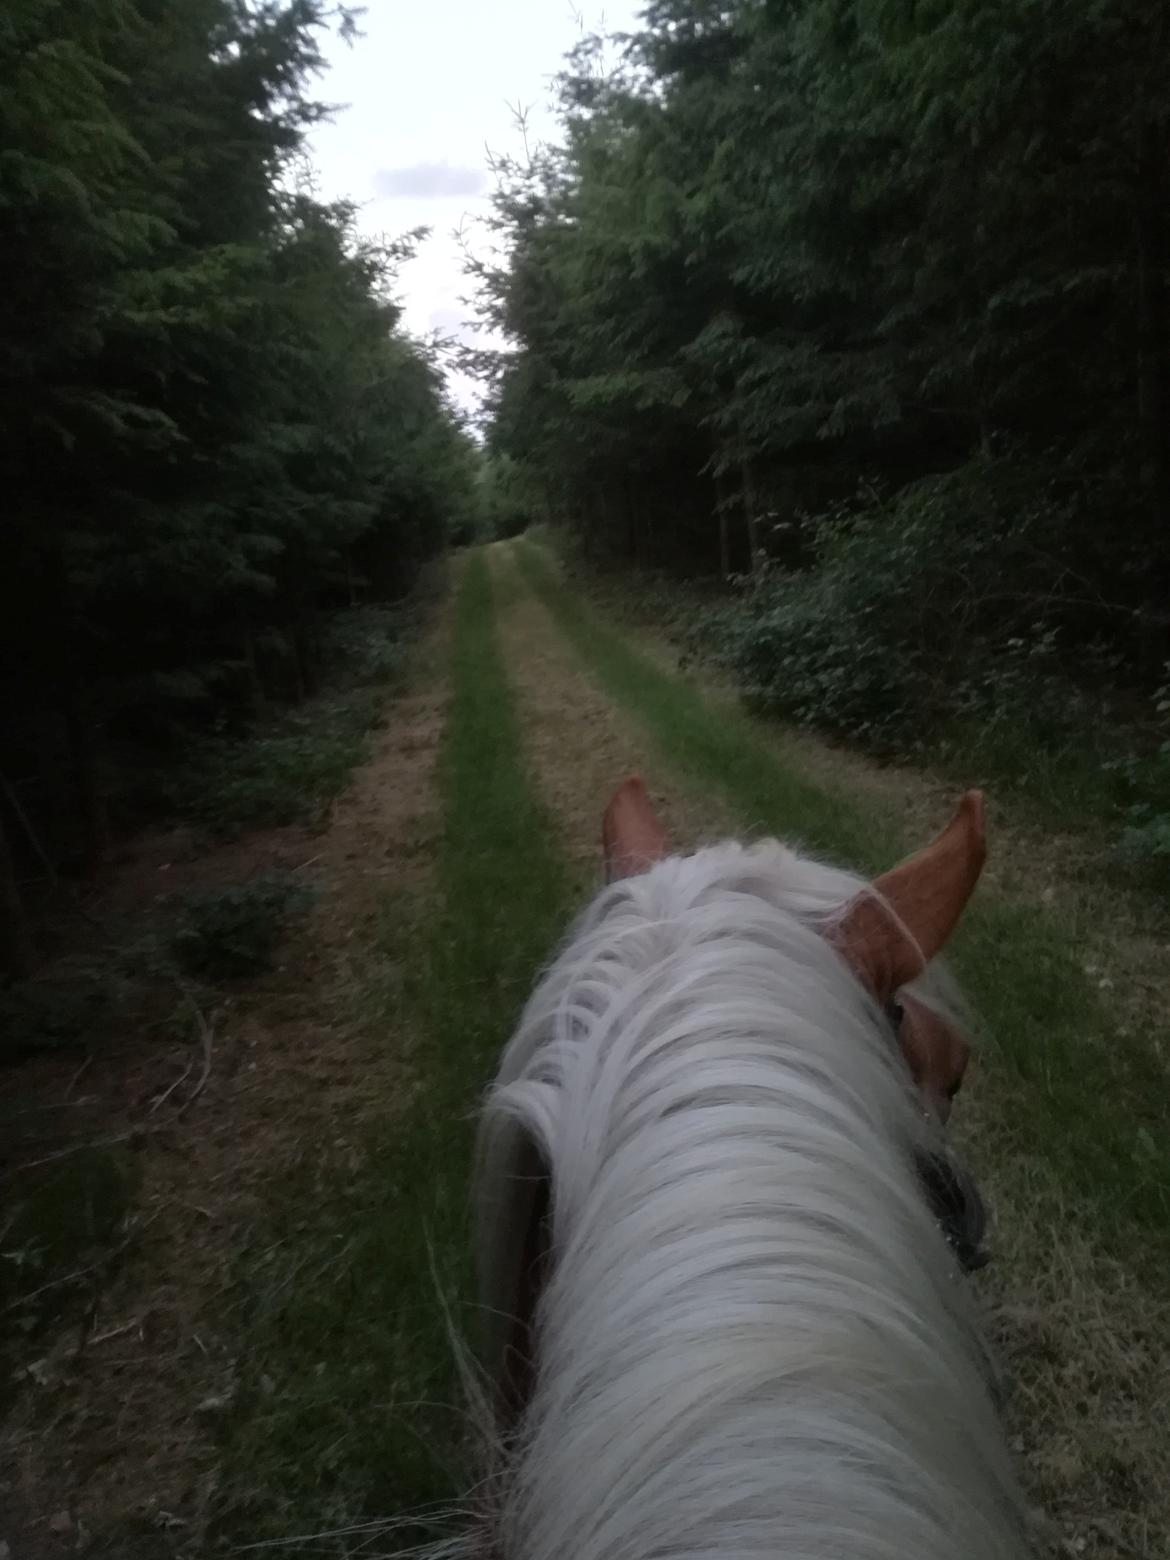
<point x="271" y="1358"/>
<point x="1083" y="1330"/>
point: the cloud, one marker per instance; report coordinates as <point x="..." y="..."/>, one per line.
<point x="428" y="180"/>
<point x="452" y="322"/>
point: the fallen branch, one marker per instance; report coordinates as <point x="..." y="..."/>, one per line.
<point x="77" y="1148"/>
<point x="207" y="1034"/>
<point x="114" y="1332"/>
<point x="167" y="1092"/>
<point x="79" y="1074"/>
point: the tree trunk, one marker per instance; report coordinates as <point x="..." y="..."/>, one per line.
<point x="91" y="800"/>
<point x="1154" y="326"/>
<point x="16" y="948"/>
<point x="303" y="659"/>
<point x="253" y="684"/>
<point x="637" y="530"/>
<point x="724" y="531"/>
<point x="749" y="511"/>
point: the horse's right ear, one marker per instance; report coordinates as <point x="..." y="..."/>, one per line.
<point x="631" y="836"/>
<point x="890" y="934"/>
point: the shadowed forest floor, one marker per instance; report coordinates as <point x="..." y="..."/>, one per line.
<point x="270" y="1359"/>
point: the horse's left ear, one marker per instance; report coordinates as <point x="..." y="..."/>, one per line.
<point x="631" y="835"/>
<point x="890" y="934"/>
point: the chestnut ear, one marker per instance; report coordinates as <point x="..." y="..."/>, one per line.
<point x="891" y="934"/>
<point x="631" y="835"/>
<point x="936" y="1054"/>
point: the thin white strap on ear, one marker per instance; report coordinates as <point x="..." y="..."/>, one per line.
<point x="890" y="932"/>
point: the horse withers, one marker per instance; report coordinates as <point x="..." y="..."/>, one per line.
<point x="721" y="1236"/>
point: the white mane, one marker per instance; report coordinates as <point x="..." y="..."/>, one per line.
<point x="753" y="1341"/>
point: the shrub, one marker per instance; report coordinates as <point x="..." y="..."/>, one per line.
<point x="286" y="774"/>
<point x="363" y="645"/>
<point x="291" y="768"/>
<point x="230" y="933"/>
<point x="1145" y="842"/>
<point x="944" y="602"/>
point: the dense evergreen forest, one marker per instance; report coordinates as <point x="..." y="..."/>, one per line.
<point x="213" y="429"/>
<point x="860" y="303"/>
<point x="866" y="299"/>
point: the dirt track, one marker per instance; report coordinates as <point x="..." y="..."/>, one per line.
<point x="117" y="1432"/>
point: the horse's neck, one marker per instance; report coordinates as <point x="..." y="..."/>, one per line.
<point x="751" y="1341"/>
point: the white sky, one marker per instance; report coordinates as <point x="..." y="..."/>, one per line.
<point x="428" y="89"/>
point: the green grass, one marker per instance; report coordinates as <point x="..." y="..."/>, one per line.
<point x="1090" y="1102"/>
<point x="350" y="1406"/>
<point x="1081" y="766"/>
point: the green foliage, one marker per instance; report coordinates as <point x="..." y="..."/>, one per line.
<point x="508" y="503"/>
<point x="214" y="429"/>
<point x="288" y="770"/>
<point x="231" y="933"/>
<point x="1145" y="841"/>
<point x="290" y="767"/>
<point x="790" y="253"/>
<point x="287" y="775"/>
<point x="939" y="603"/>
<point x="1147" y="838"/>
<point x="363" y="645"/>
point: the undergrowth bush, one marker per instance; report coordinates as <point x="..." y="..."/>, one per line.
<point x="288" y="773"/>
<point x="1145" y="842"/>
<point x="945" y="624"/>
<point x="290" y="769"/>
<point x="944" y="603"/>
<point x="231" y="933"/>
<point x="364" y="645"/>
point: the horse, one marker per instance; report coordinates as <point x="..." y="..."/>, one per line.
<point x="726" y="1314"/>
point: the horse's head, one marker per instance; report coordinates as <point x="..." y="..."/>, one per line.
<point x="887" y="934"/>
<point x="712" y="1178"/>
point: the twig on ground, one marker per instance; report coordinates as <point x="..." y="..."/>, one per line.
<point x="79" y="1074"/>
<point x="115" y="1332"/>
<point x="77" y="1148"/>
<point x="207" y="1035"/>
<point x="170" y="1089"/>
